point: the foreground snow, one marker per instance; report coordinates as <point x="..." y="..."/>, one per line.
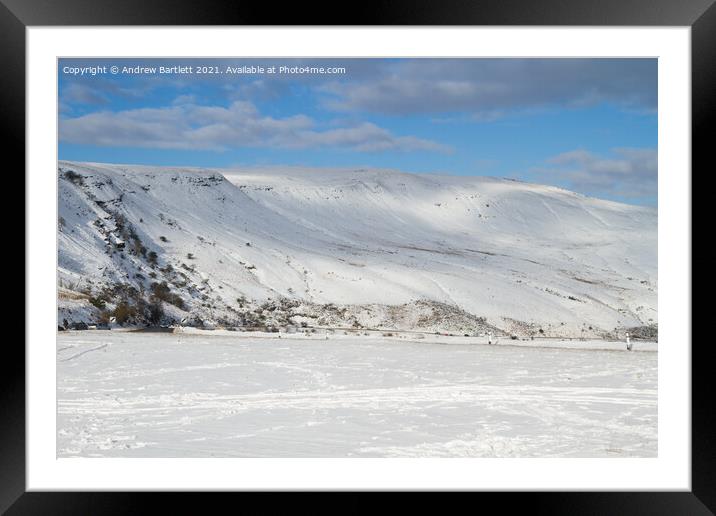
<point x="207" y="394"/>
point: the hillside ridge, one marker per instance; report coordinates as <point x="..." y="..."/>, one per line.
<point x="261" y="246"/>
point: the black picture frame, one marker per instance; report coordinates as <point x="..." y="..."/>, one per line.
<point x="700" y="15"/>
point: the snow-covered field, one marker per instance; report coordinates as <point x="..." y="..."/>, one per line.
<point x="226" y="394"/>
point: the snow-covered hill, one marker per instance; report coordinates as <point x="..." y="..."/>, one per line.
<point x="370" y="248"/>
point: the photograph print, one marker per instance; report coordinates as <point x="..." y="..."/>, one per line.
<point x="375" y="257"/>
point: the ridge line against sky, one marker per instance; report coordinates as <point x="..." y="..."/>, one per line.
<point x="587" y="125"/>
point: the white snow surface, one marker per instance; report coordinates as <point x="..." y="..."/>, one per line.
<point x="496" y="248"/>
<point x="215" y="394"/>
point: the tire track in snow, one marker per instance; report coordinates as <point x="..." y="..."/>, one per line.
<point x="77" y="355"/>
<point x="396" y="397"/>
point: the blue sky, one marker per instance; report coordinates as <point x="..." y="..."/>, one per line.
<point x="589" y="125"/>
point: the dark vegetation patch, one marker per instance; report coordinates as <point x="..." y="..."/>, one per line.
<point x="648" y="332"/>
<point x="163" y="292"/>
<point x="74" y="178"/>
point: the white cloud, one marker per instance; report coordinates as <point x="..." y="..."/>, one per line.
<point x="484" y="87"/>
<point x="80" y="93"/>
<point x="630" y="173"/>
<point x="191" y="126"/>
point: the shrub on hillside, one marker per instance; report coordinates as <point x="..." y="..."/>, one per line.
<point x="163" y="292"/>
<point x="74" y="177"/>
<point x="124" y="312"/>
<point x="156" y="312"/>
<point x="97" y="302"/>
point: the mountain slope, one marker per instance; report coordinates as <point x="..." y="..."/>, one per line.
<point x="514" y="255"/>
